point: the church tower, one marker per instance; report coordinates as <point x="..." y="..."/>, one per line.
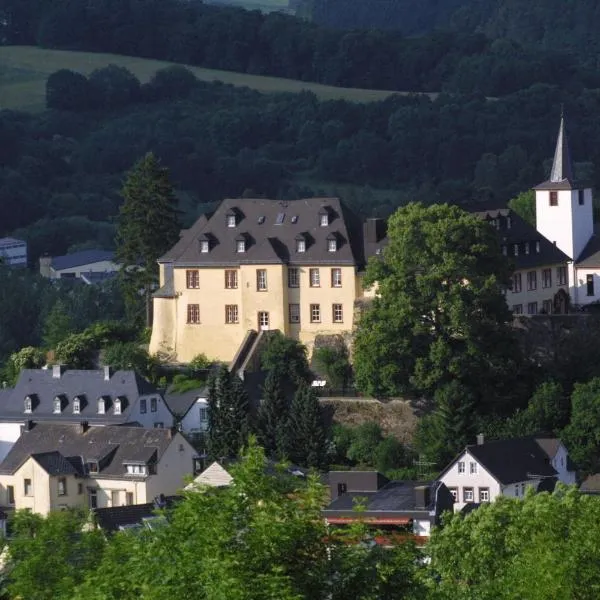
<point x="563" y="206"/>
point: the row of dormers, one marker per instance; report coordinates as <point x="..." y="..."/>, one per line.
<point x="234" y="216"/>
<point x="521" y="248"/>
<point x="243" y="242"/>
<point x="60" y="403"/>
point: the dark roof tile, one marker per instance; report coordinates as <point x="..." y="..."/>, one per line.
<point x="77" y="259"/>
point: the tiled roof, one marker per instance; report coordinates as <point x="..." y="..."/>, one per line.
<point x="180" y="403"/>
<point x="112" y="446"/>
<point x="525" y="236"/>
<point x="113" y="518"/>
<point x="271" y="230"/>
<point x="77" y="259"/>
<point x="89" y="385"/>
<point x="590" y="256"/>
<point x="514" y="460"/>
<point x="54" y="463"/>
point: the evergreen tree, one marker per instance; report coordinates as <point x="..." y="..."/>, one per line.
<point x="147" y="227"/>
<point x="273" y="414"/>
<point x="228" y="408"/>
<point x="57" y="326"/>
<point x="307" y="438"/>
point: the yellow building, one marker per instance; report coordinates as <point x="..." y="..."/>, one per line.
<point x="252" y="265"/>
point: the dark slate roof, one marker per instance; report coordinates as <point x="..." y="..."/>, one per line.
<point x="271" y="228"/>
<point x="520" y="232"/>
<point x="85" y="257"/>
<point x="113" y="518"/>
<point x="394" y="497"/>
<point x="112" y="446"/>
<point x="180" y="403"/>
<point x="54" y="463"/>
<point x="590" y="256"/>
<point x="511" y="461"/>
<point x="43" y="387"/>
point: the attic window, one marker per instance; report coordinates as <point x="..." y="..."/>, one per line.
<point x="240" y="246"/>
<point x="504" y="250"/>
<point x="516" y="249"/>
<point x="101" y="406"/>
<point x="231" y="220"/>
<point x="332" y="245"/>
<point x="117" y="406"/>
<point x="28" y="405"/>
<point x="57" y="405"/>
<point x="508" y="222"/>
<point x="280" y="218"/>
<point x="261" y="219"/>
<point x="324" y="219"/>
<point x="136" y="469"/>
<point x="76" y="405"/>
<point x="204" y="246"/>
<point x="93" y="466"/>
<point x="295" y="219"/>
<point x="300" y="245"/>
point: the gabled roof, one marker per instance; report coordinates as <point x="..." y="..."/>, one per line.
<point x="214" y="476"/>
<point x="88" y="385"/>
<point x="77" y="259"/>
<point x="513" y="229"/>
<point x="180" y="403"/>
<point x="270" y="228"/>
<point x="114" y="518"/>
<point x="510" y="461"/>
<point x="53" y="445"/>
<point x="590" y="255"/>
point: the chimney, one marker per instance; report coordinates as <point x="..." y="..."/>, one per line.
<point x="45" y="265"/>
<point x="57" y="371"/>
<point x="83" y="427"/>
<point x="421" y="497"/>
<point x="480" y="439"/>
<point x="28" y="425"/>
<point x="107" y="373"/>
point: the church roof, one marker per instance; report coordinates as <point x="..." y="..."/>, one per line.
<point x="561" y="175"/>
<point x="590" y="257"/>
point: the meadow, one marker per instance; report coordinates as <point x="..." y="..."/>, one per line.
<point x="25" y="69"/>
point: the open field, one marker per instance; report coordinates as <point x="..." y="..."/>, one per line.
<point x="24" y="70"/>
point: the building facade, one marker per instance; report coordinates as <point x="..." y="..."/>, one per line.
<point x="262" y="265"/>
<point x="13" y="253"/>
<point x="87" y="265"/>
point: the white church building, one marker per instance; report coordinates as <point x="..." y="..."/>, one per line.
<point x="564" y="215"/>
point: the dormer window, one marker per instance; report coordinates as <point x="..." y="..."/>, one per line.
<point x="508" y="222"/>
<point x="118" y="406"/>
<point x="101" y="406"/>
<point x="301" y="245"/>
<point x="504" y="250"/>
<point x="28" y="408"/>
<point x="231" y="220"/>
<point x="204" y="246"/>
<point x="137" y="469"/>
<point x="324" y="219"/>
<point x="93" y="466"/>
<point x="76" y="405"/>
<point x="240" y="246"/>
<point x="57" y="405"/>
<point x="332" y="245"/>
<point x="537" y="247"/>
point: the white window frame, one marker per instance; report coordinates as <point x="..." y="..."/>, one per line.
<point x="57" y="406"/>
<point x="324" y="220"/>
<point x="332" y="245"/>
<point x="315" y="277"/>
<point x="300" y="246"/>
<point x="293" y="277"/>
<point x="240" y="246"/>
<point x="28" y="405"/>
<point x="315" y="313"/>
<point x="472" y="468"/>
<point x="117" y="410"/>
<point x="192" y="279"/>
<point x="204" y="246"/>
<point x="468" y="491"/>
<point x="231" y="221"/>
<point x="461" y="466"/>
<point x="484" y="494"/>
<point x="101" y="406"/>
<point x="336" y="277"/>
<point x="76" y="406"/>
<point x="231" y="314"/>
<point x="337" y="312"/>
<point x="261" y="280"/>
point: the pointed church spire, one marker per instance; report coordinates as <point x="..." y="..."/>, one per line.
<point x="561" y="167"/>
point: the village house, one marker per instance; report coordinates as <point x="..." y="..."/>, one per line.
<point x="59" y="395"/>
<point x="486" y="470"/>
<point x="90" y="266"/>
<point x="13" y="252"/>
<point x="53" y="466"/>
<point x="260" y="265"/>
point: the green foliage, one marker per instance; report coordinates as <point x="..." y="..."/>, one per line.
<point x="200" y="362"/>
<point x="50" y="556"/>
<point x="228" y="415"/>
<point x="538" y="547"/>
<point x="67" y="90"/>
<point x="130" y="355"/>
<point x="524" y="206"/>
<point x="287" y="356"/>
<point x="307" y="439"/>
<point x="440" y="315"/>
<point x="183" y="383"/>
<point x="335" y="364"/>
<point x="273" y="415"/>
<point x="26" y="358"/>
<point x="58" y="325"/>
<point x="148" y="226"/>
<point x="365" y="440"/>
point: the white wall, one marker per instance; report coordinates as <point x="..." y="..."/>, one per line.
<point x="559" y="462"/>
<point x="422" y="527"/>
<point x="103" y="266"/>
<point x="9" y="434"/>
<point x="579" y="286"/>
<point x="482" y="479"/>
<point x="149" y="419"/>
<point x="191" y="421"/>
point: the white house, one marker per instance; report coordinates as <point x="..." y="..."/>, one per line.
<point x="190" y="410"/>
<point x="99" y="397"/>
<point x="13" y="252"/>
<point x="88" y="265"/>
<point x="484" y="471"/>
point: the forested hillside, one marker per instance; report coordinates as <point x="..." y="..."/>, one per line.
<point x="551" y="26"/>
<point x="235" y="39"/>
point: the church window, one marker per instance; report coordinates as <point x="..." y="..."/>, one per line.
<point x="590" y="285"/>
<point x="553" y="198"/>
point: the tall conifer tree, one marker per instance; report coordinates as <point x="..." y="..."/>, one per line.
<point x="273" y="413"/>
<point x="147" y="227"/>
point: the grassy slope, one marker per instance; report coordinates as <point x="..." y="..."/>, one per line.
<point x="24" y="70"/>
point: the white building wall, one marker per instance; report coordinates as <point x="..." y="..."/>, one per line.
<point x="459" y="481"/>
<point x="422" y="527"/>
<point x="522" y="299"/>
<point x="150" y="419"/>
<point x="559" y="462"/>
<point x="9" y="434"/>
<point x="191" y="422"/>
<point x="579" y="287"/>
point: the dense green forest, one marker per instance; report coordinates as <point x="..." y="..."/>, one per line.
<point x="552" y="26"/>
<point x="235" y="39"/>
<point x="61" y="171"/>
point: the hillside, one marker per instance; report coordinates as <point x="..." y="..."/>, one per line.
<point x="24" y="70"/>
<point x="539" y="24"/>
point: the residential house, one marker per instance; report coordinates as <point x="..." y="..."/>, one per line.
<point x="214" y="475"/>
<point x="100" y="397"/>
<point x="486" y="470"/>
<point x="259" y="265"/>
<point x="53" y="466"/>
<point x="13" y="253"/>
<point x="88" y="265"/>
<point x="408" y="507"/>
<point x="539" y="283"/>
<point x="190" y="409"/>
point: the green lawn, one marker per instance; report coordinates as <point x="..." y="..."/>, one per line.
<point x="24" y="70"/>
